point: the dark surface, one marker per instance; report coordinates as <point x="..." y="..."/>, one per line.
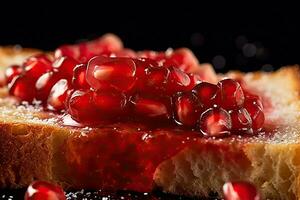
<point x="247" y="36"/>
<point x="100" y="195"/>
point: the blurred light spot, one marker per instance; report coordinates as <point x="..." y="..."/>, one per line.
<point x="219" y="62"/>
<point x="197" y="39"/>
<point x="267" y="68"/>
<point x="249" y="50"/>
<point x="240" y="41"/>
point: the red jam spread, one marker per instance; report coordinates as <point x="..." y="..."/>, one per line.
<point x="99" y="83"/>
<point x="123" y="156"/>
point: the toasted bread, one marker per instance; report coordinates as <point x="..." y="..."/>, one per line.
<point x="31" y="142"/>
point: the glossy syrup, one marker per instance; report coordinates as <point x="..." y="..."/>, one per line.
<point x="122" y="156"/>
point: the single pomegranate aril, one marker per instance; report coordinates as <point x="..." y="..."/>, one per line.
<point x="206" y="93"/>
<point x="36" y="66"/>
<point x="41" y="190"/>
<point x="12" y="72"/>
<point x="118" y="73"/>
<point x="72" y="51"/>
<point x="79" y="77"/>
<point x="45" y="83"/>
<point x="178" y="81"/>
<point x="254" y="109"/>
<point x="153" y="55"/>
<point x="86" y="50"/>
<point x="152" y="108"/>
<point x="124" y="53"/>
<point x="215" y="122"/>
<point x="187" y="109"/>
<point x="90" y="78"/>
<point x="240" y="191"/>
<point x="109" y="104"/>
<point x="155" y="80"/>
<point x="195" y="79"/>
<point x="65" y="66"/>
<point x="241" y="120"/>
<point x="254" y="99"/>
<point x="104" y="45"/>
<point x="58" y="95"/>
<point x="41" y="57"/>
<point x="22" y="88"/>
<point x="231" y="94"/>
<point x="81" y="107"/>
<point x="107" y="43"/>
<point x="185" y="59"/>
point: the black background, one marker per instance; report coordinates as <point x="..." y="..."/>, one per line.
<point x="249" y="36"/>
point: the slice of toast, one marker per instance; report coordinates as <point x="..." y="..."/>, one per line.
<point x="31" y="146"/>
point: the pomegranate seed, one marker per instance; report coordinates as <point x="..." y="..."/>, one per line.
<point x="241" y="120"/>
<point x="104" y="45"/>
<point x="254" y="99"/>
<point x="231" y="94"/>
<point x="178" y="81"/>
<point x="12" y="72"/>
<point x="118" y="73"/>
<point x="142" y="66"/>
<point x="36" y="66"/>
<point x="81" y="107"/>
<point x="41" y="190"/>
<point x="206" y="93"/>
<point x="44" y="84"/>
<point x="187" y="109"/>
<point x="91" y="80"/>
<point x="79" y="77"/>
<point x="21" y="87"/>
<point x="41" y="57"/>
<point x="215" y="122"/>
<point x="153" y="55"/>
<point x="58" y="95"/>
<point x="124" y="53"/>
<point x="108" y="42"/>
<point x="240" y="191"/>
<point x="254" y="109"/>
<point x="152" y="108"/>
<point x="195" y="79"/>
<point x="86" y="50"/>
<point x="185" y="59"/>
<point x="65" y="66"/>
<point x="71" y="51"/>
<point x="156" y="79"/>
<point x="109" y="104"/>
<point x="206" y="72"/>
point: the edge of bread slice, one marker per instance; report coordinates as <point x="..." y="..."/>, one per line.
<point x="30" y="145"/>
<point x="271" y="163"/>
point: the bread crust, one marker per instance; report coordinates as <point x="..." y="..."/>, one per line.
<point x="30" y="146"/>
<point x="11" y="55"/>
<point x="271" y="163"/>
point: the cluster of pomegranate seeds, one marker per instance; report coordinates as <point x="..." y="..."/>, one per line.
<point x="240" y="191"/>
<point x="99" y="80"/>
<point x="41" y="190"/>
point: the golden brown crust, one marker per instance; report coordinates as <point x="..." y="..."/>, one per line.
<point x="25" y="154"/>
<point x="15" y="55"/>
<point x="271" y="163"/>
